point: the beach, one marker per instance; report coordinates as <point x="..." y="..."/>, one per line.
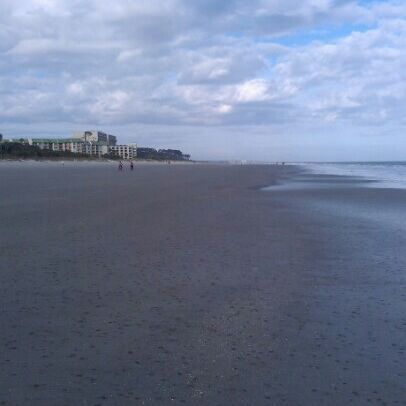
<point x="198" y="284"/>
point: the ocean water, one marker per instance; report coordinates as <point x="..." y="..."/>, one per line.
<point x="322" y="194"/>
<point x="382" y="174"/>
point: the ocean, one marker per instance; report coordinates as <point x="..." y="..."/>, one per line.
<point x="383" y="174"/>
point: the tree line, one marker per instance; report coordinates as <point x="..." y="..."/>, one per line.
<point x="162" y="154"/>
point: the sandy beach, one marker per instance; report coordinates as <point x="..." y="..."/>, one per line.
<point x="190" y="284"/>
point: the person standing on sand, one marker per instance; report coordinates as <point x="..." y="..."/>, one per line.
<point x="132" y="165"/>
<point x="120" y="166"/>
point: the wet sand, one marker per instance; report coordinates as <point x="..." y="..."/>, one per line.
<point x="188" y="284"/>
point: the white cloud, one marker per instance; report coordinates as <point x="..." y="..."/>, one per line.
<point x="252" y="91"/>
<point x="75" y="89"/>
<point x="225" y="108"/>
<point x="49" y="46"/>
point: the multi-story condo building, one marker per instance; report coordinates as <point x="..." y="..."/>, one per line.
<point x="94" y="143"/>
<point x="111" y="140"/>
<point x="73" y="145"/>
<point x="96" y="149"/>
<point x="96" y="136"/>
<point x="59" y="144"/>
<point x="124" y="151"/>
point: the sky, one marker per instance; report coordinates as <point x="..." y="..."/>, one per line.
<point x="266" y="80"/>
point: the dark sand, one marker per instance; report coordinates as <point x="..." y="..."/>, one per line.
<point x="186" y="284"/>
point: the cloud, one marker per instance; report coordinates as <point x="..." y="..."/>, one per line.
<point x="305" y="66"/>
<point x="251" y="91"/>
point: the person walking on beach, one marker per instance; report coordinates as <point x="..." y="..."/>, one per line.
<point x="120" y="166"/>
<point x="132" y="165"/>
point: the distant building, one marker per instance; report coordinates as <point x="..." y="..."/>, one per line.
<point x="74" y="145"/>
<point x="96" y="149"/>
<point x="93" y="143"/>
<point x="96" y="136"/>
<point x="111" y="140"/>
<point x="58" y="144"/>
<point x="124" y="151"/>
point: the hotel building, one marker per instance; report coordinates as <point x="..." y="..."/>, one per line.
<point x="93" y="143"/>
<point x="124" y="151"/>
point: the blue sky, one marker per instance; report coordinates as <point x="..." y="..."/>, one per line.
<point x="323" y="33"/>
<point x="260" y="79"/>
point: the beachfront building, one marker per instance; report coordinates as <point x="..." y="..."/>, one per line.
<point x="96" y="149"/>
<point x="124" y="151"/>
<point x="58" y="144"/>
<point x="74" y="145"/>
<point x="96" y="136"/>
<point x="92" y="143"/>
